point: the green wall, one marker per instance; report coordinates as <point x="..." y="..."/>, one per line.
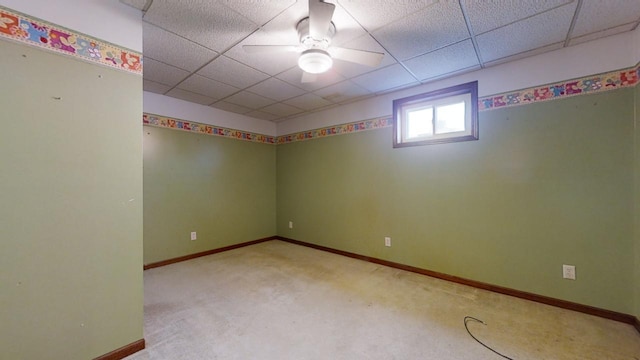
<point x="224" y="189"/>
<point x="547" y="184"/>
<point x="70" y="206"/>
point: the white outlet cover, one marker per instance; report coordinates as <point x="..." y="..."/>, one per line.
<point x="387" y="241"/>
<point x="290" y="224"/>
<point x="569" y="272"/>
<point x="193" y="235"/>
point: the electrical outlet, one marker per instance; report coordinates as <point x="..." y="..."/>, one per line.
<point x="569" y="272"/>
<point x="290" y="224"/>
<point x="193" y="235"/>
<point x="387" y="241"/>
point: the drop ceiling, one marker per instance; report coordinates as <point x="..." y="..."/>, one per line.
<point x="193" y="48"/>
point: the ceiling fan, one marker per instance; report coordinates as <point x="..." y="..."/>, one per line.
<point x="317" y="54"/>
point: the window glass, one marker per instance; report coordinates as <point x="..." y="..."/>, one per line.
<point x="420" y="123"/>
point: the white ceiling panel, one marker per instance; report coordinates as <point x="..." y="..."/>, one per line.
<point x="283" y="27"/>
<point x="138" y="4"/>
<point x="438" y="25"/>
<point x="373" y="14"/>
<point x="249" y="100"/>
<point x="205" y="86"/>
<point x="294" y="75"/>
<point x="308" y="102"/>
<point x="281" y="109"/>
<point x="528" y="34"/>
<point x="342" y="92"/>
<point x="489" y="15"/>
<point x="259" y="12"/>
<point x="226" y="106"/>
<point x="232" y="72"/>
<point x="601" y="34"/>
<point x="387" y="78"/>
<point x="163" y="73"/>
<point x="347" y="28"/>
<point x="195" y="46"/>
<point x="152" y="86"/>
<point x="525" y="54"/>
<point x="212" y="26"/>
<point x="446" y="60"/>
<point x="598" y="15"/>
<point x="190" y="96"/>
<point x="276" y="89"/>
<point x="270" y="63"/>
<point x="174" y="50"/>
<point x="263" y="115"/>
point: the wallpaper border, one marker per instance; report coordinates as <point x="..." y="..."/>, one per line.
<point x="206" y="129"/>
<point x="36" y="32"/>
<point x="579" y="86"/>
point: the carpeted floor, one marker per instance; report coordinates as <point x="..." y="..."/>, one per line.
<point x="276" y="300"/>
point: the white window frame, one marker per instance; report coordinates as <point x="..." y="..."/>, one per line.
<point x="467" y="93"/>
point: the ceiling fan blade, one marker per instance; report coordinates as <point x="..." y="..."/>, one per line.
<point x="308" y="78"/>
<point x="270" y="48"/>
<point x="368" y="58"/>
<point x="320" y="14"/>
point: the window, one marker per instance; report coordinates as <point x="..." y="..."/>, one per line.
<point x="436" y="117"/>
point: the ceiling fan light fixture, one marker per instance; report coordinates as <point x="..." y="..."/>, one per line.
<point x="315" y="61"/>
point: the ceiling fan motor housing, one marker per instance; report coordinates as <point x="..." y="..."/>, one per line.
<point x="312" y="43"/>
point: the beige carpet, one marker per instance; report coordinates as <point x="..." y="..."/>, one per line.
<point x="277" y="300"/>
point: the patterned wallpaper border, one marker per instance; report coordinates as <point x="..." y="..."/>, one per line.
<point x="341" y="129"/>
<point x="206" y="129"/>
<point x="582" y="86"/>
<point x="36" y="32"/>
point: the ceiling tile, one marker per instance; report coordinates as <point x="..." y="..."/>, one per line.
<point x="232" y="72"/>
<point x="205" y="86"/>
<point x="138" y="4"/>
<point x="598" y="15"/>
<point x="283" y="26"/>
<point x="250" y="100"/>
<point x="380" y="80"/>
<point x="373" y="14"/>
<point x="263" y="115"/>
<point x="189" y="96"/>
<point x="308" y="102"/>
<point x="223" y="105"/>
<point x="347" y="28"/>
<point x="174" y="50"/>
<point x="281" y="109"/>
<point x="368" y="43"/>
<point x="276" y="89"/>
<point x="163" y="73"/>
<point x="601" y="34"/>
<point x="202" y="21"/>
<point x="342" y="92"/>
<point x="258" y="11"/>
<point x="152" y="86"/>
<point x="294" y="76"/>
<point x="438" y="25"/>
<point x="489" y="15"/>
<point x="522" y="55"/>
<point x="531" y="33"/>
<point x="270" y="63"/>
<point x="446" y="60"/>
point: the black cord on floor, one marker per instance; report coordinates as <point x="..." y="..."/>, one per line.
<point x="466" y="319"/>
